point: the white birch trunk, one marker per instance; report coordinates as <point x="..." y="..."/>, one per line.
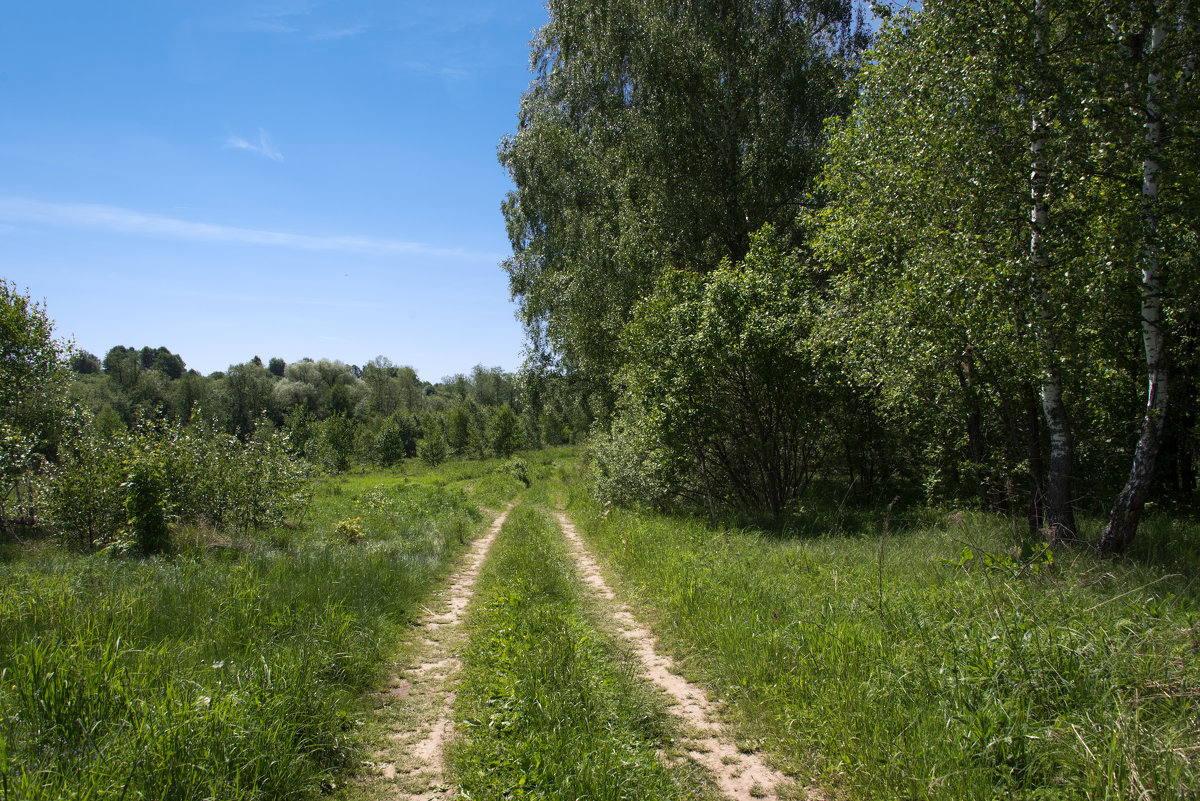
<point x="1058" y="517"/>
<point x="1123" y="520"/>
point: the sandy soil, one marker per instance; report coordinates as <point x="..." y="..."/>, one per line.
<point x="738" y="775"/>
<point x="408" y="764"/>
<point x="413" y="711"/>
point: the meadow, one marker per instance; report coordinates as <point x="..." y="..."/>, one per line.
<point x="916" y="653"/>
<point x="925" y="656"/>
<point x="232" y="668"/>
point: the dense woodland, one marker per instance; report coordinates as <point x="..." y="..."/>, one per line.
<point x="333" y="412"/>
<point x="958" y="256"/>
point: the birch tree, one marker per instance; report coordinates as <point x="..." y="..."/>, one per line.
<point x="657" y="134"/>
<point x="958" y="184"/>
<point x="1164" y="76"/>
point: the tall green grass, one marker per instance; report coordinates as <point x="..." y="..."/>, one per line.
<point x="220" y="673"/>
<point x="550" y="707"/>
<point x="930" y="663"/>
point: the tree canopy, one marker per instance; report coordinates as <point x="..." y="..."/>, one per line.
<point x="989" y="220"/>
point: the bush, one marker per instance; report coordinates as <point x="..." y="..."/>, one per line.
<point x="146" y="508"/>
<point x="725" y="381"/>
<point x="504" y="432"/>
<point x="349" y="530"/>
<point x="333" y="448"/>
<point x="628" y="466"/>
<point x="433" y="448"/>
<point x="518" y="470"/>
<point x="105" y="487"/>
<point x="82" y="495"/>
<point x="397" y="439"/>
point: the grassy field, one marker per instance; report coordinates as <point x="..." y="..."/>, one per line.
<point x="550" y="704"/>
<point x="229" y="670"/>
<point x="930" y="663"/>
<point x="927" y="663"/>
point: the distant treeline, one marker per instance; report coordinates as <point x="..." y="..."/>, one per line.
<point x="334" y="413"/>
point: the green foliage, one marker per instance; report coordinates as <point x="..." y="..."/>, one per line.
<point x="397" y="439"/>
<point x="169" y="364"/>
<point x="302" y="428"/>
<point x="18" y="460"/>
<point x="231" y="674"/>
<point x="433" y="447"/>
<point x="145" y="508"/>
<point x="458" y="428"/>
<point x="349" y="531"/>
<point x="196" y="475"/>
<point x="518" y="470"/>
<point x="85" y="363"/>
<point x="33" y="401"/>
<point x="939" y="663"/>
<point x="659" y="134"/>
<point x="504" y="432"/>
<point x="334" y="446"/>
<point x="936" y="298"/>
<point x="337" y="401"/>
<point x="33" y="372"/>
<point x="725" y="392"/>
<point x="550" y="705"/>
<point x="247" y="390"/>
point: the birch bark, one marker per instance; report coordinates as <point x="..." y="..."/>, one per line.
<point x="1059" y="518"/>
<point x="1127" y="510"/>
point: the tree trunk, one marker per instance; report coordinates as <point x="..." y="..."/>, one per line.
<point x="1059" y="517"/>
<point x="1123" y="520"/>
<point x="1033" y="451"/>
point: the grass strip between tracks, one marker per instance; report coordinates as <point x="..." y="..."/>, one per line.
<point x="550" y="706"/>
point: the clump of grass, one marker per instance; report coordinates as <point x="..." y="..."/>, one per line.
<point x="944" y="665"/>
<point x="217" y="673"/>
<point x="548" y="706"/>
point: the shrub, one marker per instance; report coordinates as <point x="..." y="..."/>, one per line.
<point x="504" y="432"/>
<point x="518" y="470"/>
<point x="397" y="439"/>
<point x="349" y="530"/>
<point x="332" y="444"/>
<point x="82" y="495"/>
<point x="106" y="486"/>
<point x="146" y="508"/>
<point x="433" y="448"/>
<point x="725" y="381"/>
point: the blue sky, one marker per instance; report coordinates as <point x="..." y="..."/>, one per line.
<point x="231" y="179"/>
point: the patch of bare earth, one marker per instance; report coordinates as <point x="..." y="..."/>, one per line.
<point x="738" y="775"/>
<point x="412" y="714"/>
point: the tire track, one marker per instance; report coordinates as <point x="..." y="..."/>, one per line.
<point x="738" y="775"/>
<point x="410" y="764"/>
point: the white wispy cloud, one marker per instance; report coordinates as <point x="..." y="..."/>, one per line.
<point x="274" y="17"/>
<point x="113" y="219"/>
<point x="326" y="34"/>
<point x="445" y="71"/>
<point x="264" y="147"/>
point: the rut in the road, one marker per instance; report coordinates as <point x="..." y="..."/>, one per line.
<point x="738" y="775"/>
<point x="411" y="762"/>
